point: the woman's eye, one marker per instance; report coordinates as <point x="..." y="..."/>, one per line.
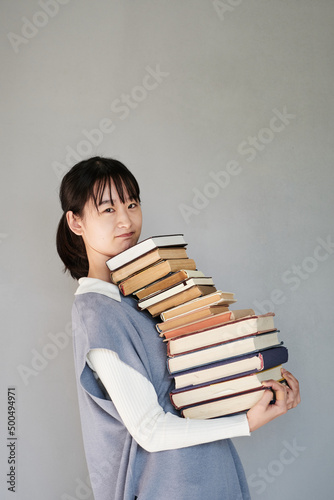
<point x="109" y="210"/>
<point x="133" y="205"/>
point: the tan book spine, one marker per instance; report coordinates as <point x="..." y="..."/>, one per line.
<point x="147" y="260"/>
<point x="214" y="298"/>
<point x="156" y="287"/>
<point x="153" y="273"/>
<point x="191" y="316"/>
<point x="191" y="293"/>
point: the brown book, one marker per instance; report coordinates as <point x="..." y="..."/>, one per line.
<point x="154" y="272"/>
<point x="195" y="315"/>
<point x="180" y="298"/>
<point x="147" y="260"/>
<point x="171" y="280"/>
<point x="156" y="297"/>
<point x="206" y="323"/>
<point x="217" y="297"/>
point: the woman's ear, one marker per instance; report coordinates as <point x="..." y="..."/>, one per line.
<point x="74" y="223"/>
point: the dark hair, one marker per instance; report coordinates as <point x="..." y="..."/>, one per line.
<point x="88" y="179"/>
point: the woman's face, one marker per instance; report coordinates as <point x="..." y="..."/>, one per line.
<point x="112" y="228"/>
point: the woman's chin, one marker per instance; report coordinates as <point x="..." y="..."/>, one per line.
<point x="128" y="243"/>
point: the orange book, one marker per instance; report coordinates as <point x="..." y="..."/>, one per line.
<point x="206" y="323"/>
<point x="190" y="317"/>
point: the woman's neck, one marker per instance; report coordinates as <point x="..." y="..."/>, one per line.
<point x="99" y="273"/>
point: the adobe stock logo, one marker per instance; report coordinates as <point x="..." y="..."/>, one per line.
<point x="3" y="236"/>
<point x="121" y="107"/>
<point x="40" y="19"/>
<point x="253" y="144"/>
<point x="201" y="199"/>
<point x="225" y="7"/>
<point x="250" y="148"/>
<point x="265" y="476"/>
<point x="41" y="359"/>
<point x="296" y="274"/>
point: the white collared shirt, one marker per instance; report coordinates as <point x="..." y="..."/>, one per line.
<point x="95" y="285"/>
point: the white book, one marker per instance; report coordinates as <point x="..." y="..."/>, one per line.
<point x="222" y="351"/>
<point x="225" y="406"/>
<point x="143" y="247"/>
<point x="198" y="394"/>
<point x="226" y="332"/>
<point x="235" y="367"/>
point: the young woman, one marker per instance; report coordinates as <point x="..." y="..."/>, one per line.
<point x="136" y="444"/>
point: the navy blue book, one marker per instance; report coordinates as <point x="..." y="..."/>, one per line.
<point x="233" y="367"/>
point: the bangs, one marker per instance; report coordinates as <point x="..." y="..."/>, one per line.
<point x="125" y="183"/>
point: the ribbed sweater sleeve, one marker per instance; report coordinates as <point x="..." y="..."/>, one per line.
<point x="137" y="404"/>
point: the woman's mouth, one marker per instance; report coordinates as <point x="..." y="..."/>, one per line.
<point x="125" y="235"/>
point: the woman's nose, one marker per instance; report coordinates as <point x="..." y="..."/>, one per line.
<point x="123" y="218"/>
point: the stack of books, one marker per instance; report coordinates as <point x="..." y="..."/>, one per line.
<point x="218" y="357"/>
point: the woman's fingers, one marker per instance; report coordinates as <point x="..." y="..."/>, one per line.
<point x="264" y="411"/>
<point x="280" y="392"/>
<point x="286" y="397"/>
<point x="293" y="393"/>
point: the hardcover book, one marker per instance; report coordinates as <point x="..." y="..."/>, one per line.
<point x="190" y="317"/>
<point x="241" y="365"/>
<point x="180" y="298"/>
<point x="213" y="390"/>
<point x="224" y="406"/>
<point x="146" y="276"/>
<point x="143" y="247"/>
<point x="168" y="281"/>
<point x="147" y="260"/>
<point x="209" y="322"/>
<point x="173" y="290"/>
<point x="222" y="351"/>
<point x="217" y="297"/>
<point x="221" y="333"/>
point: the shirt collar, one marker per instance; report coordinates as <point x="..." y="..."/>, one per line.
<point x="87" y="285"/>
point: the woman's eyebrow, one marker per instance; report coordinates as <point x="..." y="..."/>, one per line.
<point x="106" y="202"/>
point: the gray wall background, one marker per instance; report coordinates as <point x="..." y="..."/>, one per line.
<point x="223" y="110"/>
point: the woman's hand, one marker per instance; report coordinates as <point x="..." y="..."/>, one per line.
<point x="286" y="397"/>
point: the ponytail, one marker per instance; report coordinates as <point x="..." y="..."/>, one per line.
<point x="71" y="249"/>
